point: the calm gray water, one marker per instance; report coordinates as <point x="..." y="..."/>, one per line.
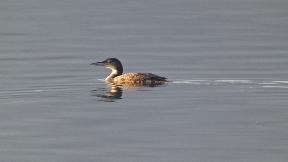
<point x="227" y="99"/>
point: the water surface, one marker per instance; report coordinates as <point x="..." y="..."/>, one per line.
<point x="226" y="62"/>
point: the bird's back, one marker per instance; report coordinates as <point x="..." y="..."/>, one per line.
<point x="146" y="78"/>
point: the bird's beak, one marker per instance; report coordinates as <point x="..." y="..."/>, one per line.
<point x="98" y="64"/>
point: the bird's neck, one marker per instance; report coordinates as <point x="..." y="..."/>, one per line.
<point x="114" y="74"/>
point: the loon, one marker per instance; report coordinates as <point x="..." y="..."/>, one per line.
<point x="117" y="69"/>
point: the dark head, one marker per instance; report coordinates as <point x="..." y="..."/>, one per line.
<point x="111" y="63"/>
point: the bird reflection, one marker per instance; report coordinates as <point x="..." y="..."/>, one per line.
<point x="113" y="91"/>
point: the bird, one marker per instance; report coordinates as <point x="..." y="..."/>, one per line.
<point x="117" y="77"/>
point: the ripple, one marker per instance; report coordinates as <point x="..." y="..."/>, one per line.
<point x="252" y="83"/>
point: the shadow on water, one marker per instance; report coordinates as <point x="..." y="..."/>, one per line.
<point x="113" y="92"/>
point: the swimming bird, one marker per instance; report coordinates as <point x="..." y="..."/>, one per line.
<point x="117" y="69"/>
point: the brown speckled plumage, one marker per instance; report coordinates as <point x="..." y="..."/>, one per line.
<point x="117" y="69"/>
<point x="146" y="78"/>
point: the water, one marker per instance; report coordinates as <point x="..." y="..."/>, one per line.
<point x="226" y="100"/>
